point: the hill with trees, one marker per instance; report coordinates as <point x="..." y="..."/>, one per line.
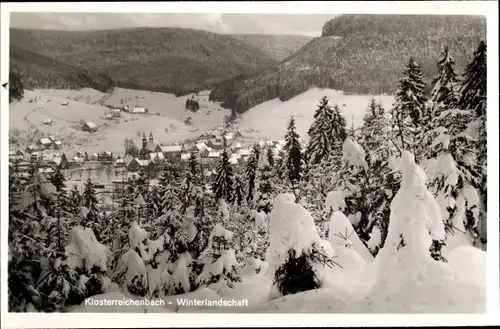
<point x="278" y="46"/>
<point x="171" y="60"/>
<point x="361" y="54"/>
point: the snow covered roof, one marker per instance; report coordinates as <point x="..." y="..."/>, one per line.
<point x="120" y="161"/>
<point x="45" y="141"/>
<point x="139" y="109"/>
<point x="214" y="154"/>
<point x="185" y="156"/>
<point x="229" y="136"/>
<point x="143" y="163"/>
<point x="233" y="161"/>
<point x="237" y="146"/>
<point x="154" y="155"/>
<point x="57" y="160"/>
<point x="244" y="152"/>
<point x="47" y="121"/>
<point x="58" y="142"/>
<point x="91" y="124"/>
<point x="171" y="148"/>
<point x="46" y="170"/>
<point x="201" y="146"/>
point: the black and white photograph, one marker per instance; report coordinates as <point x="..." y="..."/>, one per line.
<point x="256" y="163"/>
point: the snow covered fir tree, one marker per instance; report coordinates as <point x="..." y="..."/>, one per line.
<point x="386" y="216"/>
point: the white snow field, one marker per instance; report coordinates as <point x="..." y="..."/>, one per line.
<point x="166" y="120"/>
<point x="403" y="278"/>
<point x="270" y="119"/>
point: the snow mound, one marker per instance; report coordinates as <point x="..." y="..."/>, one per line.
<point x="335" y="200"/>
<point x="180" y="276"/>
<point x="342" y="235"/>
<point x="137" y="235"/>
<point x="130" y="266"/>
<point x="375" y="238"/>
<point x="224" y="264"/>
<point x="223" y="209"/>
<point x="468" y="264"/>
<point x="259" y="219"/>
<point x="353" y="154"/>
<point x="408" y="278"/>
<point x="84" y="251"/>
<point x="292" y="227"/>
<point x="221" y="232"/>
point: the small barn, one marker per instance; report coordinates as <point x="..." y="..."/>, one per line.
<point x="139" y="110"/>
<point x="90" y="127"/>
<point x="45" y="142"/>
<point x="57" y="144"/>
<point x="47" y="122"/>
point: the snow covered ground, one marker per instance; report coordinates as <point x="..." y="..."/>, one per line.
<point x="166" y="122"/>
<point x="270" y="119"/>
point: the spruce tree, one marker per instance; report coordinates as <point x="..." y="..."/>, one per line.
<point x="89" y="200"/>
<point x="16" y="86"/>
<point x="320" y="133"/>
<point x="292" y="154"/>
<point x="251" y="172"/>
<point x="375" y="135"/>
<point x="270" y="156"/>
<point x="194" y="169"/>
<point x="339" y="130"/>
<point x="446" y="84"/>
<point x="409" y="109"/>
<point x="223" y="186"/>
<point x="239" y="191"/>
<point x="265" y="192"/>
<point x="454" y="165"/>
<point x="473" y="100"/>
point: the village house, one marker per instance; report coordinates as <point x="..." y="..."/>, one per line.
<point x="185" y="157"/>
<point x="116" y="113"/>
<point x="57" y="144"/>
<point x="45" y="142"/>
<point x="65" y="103"/>
<point x="30" y="148"/>
<point x="136" y="165"/>
<point x="89" y="127"/>
<point x="16" y="155"/>
<point x="236" y="147"/>
<point x="237" y="134"/>
<point x="109" y="117"/>
<point x="48" y="171"/>
<point x="139" y="110"/>
<point x="105" y="157"/>
<point x="204" y="153"/>
<point x="156" y="156"/>
<point x="47" y="122"/>
<point x="120" y="162"/>
<point x="127" y="158"/>
<point x="173" y="152"/>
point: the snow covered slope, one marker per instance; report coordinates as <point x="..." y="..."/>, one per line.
<point x="270" y="119"/>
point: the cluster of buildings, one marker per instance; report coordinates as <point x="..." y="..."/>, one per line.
<point x="150" y="157"/>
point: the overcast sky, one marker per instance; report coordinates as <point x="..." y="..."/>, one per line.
<point x="219" y="23"/>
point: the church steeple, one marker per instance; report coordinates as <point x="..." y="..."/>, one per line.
<point x="151" y="139"/>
